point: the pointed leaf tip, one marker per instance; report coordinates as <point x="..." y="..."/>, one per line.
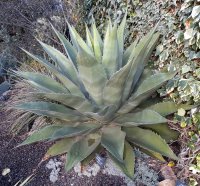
<point x="114" y="145"/>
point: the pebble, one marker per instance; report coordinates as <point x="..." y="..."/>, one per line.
<point x="180" y="183"/>
<point x="53" y="164"/>
<point x="167" y="182"/>
<point x="5" y="96"/>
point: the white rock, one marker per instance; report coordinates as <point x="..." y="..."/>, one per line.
<point x="5" y="171"/>
<point x="143" y="174"/>
<point x="54" y="165"/>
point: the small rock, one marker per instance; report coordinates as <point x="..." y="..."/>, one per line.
<point x="168" y="173"/>
<point x="4" y="87"/>
<point x="167" y="182"/>
<point x="5" y="171"/>
<point x="180" y="183"/>
<point x="53" y="177"/>
<point x="5" y="96"/>
<point x="53" y="164"/>
<point x="101" y="160"/>
<point x="144" y="175"/>
<point x="194" y="111"/>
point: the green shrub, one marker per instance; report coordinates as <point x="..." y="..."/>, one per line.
<point x="171" y="53"/>
<point x="190" y="36"/>
<point x="96" y="98"/>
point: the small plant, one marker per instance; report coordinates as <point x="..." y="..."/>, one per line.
<point x="95" y="99"/>
<point x="190" y="16"/>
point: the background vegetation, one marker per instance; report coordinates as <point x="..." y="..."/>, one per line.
<point x="179" y="48"/>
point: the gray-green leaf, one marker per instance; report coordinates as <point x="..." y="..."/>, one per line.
<point x="129" y="161"/>
<point x="42" y="134"/>
<point x="111" y="51"/>
<point x="73" y="101"/>
<point x="52" y="110"/>
<point x="140" y="57"/>
<point x="113" y="140"/>
<point x="148" y="140"/>
<point x="112" y="93"/>
<point x="70" y="131"/>
<point x="69" y="49"/>
<point x="145" y="89"/>
<point x="164" y="131"/>
<point x="60" y="147"/>
<point x="92" y="74"/>
<point x="81" y="150"/>
<point x="42" y="82"/>
<point x="63" y="79"/>
<point x="145" y="117"/>
<point x="66" y="66"/>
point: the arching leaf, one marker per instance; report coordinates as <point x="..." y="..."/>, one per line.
<point x="89" y="39"/>
<point x="129" y="161"/>
<point x="92" y="74"/>
<point x="66" y="66"/>
<point x="69" y="49"/>
<point x="78" y="41"/>
<point x="42" y="134"/>
<point x="121" y="36"/>
<point x="63" y="79"/>
<point x="148" y="140"/>
<point x="129" y="52"/>
<point x="145" y="89"/>
<point x="141" y="55"/>
<point x="98" y="43"/>
<point x="110" y="58"/>
<point x="164" y="131"/>
<point x="76" y="102"/>
<point x="52" y="110"/>
<point x="60" y="147"/>
<point x="42" y="82"/>
<point x="168" y="107"/>
<point x="144" y="117"/>
<point x="152" y="154"/>
<point x="70" y="131"/>
<point x="112" y="93"/>
<point x="113" y="140"/>
<point x="81" y="150"/>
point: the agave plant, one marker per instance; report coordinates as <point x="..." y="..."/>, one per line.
<point x="96" y="97"/>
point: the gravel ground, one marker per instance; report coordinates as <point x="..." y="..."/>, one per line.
<point x="72" y="179"/>
<point x="23" y="160"/>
